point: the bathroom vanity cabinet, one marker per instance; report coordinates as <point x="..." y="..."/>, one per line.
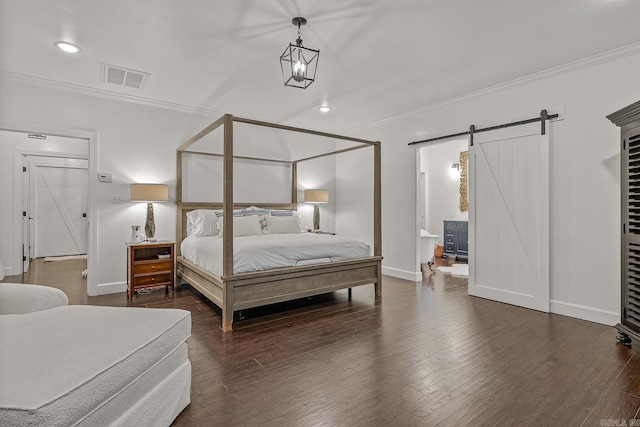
<point x="456" y="238"/>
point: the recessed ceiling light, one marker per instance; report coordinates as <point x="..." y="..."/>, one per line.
<point x="68" y="47"/>
<point x="325" y="108"/>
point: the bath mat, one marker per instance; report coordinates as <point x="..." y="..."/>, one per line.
<point x="64" y="258"/>
<point x="456" y="269"/>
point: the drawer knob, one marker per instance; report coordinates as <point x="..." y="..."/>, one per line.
<point x="153" y="279"/>
<point x="153" y="267"/>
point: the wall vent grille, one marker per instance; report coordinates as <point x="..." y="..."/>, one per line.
<point x="123" y="76"/>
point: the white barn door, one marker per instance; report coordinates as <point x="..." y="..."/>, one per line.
<point x="58" y="206"/>
<point x="509" y="216"/>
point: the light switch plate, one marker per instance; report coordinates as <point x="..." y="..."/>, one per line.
<point x="105" y="177"/>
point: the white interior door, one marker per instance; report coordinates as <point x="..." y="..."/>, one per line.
<point x="58" y="206"/>
<point x="509" y="216"/>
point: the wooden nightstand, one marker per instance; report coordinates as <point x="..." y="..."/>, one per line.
<point x="150" y="264"/>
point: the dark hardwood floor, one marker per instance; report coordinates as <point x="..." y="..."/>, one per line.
<point x="426" y="354"/>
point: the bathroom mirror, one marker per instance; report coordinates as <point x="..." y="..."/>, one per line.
<point x="464" y="202"/>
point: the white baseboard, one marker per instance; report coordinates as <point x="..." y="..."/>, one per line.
<point x="112" y="288"/>
<point x="10" y="271"/>
<point x="590" y="314"/>
<point x="402" y="274"/>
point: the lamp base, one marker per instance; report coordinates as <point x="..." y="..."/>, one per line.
<point x="316" y="217"/>
<point x="150" y="226"/>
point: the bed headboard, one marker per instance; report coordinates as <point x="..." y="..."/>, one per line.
<point x="184" y="207"/>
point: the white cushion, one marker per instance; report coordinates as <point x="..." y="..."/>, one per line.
<point x="283" y="224"/>
<point x="19" y="298"/>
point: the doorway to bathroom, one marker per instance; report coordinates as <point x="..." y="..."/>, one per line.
<point x="442" y="200"/>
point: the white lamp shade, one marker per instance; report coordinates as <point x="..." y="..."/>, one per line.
<point x="149" y="192"/>
<point x="316" y="196"/>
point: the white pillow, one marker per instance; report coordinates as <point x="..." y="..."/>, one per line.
<point x="202" y="222"/>
<point x="283" y="212"/>
<point x="283" y="224"/>
<point x="243" y="226"/>
<point x="253" y="210"/>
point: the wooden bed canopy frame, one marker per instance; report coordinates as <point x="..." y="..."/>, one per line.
<point x="232" y="292"/>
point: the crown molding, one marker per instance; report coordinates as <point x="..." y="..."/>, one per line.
<point x="608" y="56"/>
<point x="626" y="115"/>
<point x="102" y="93"/>
<point x="590" y="61"/>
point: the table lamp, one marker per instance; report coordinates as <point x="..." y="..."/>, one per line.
<point x="149" y="193"/>
<point x="316" y="196"/>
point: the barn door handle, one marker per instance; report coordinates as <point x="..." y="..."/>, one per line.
<point x="84" y="215"/>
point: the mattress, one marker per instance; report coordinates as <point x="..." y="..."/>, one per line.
<point x="268" y="251"/>
<point x="86" y="365"/>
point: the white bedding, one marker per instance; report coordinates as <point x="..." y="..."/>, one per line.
<point x="267" y="251"/>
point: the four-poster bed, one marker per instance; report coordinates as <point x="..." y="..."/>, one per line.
<point x="233" y="291"/>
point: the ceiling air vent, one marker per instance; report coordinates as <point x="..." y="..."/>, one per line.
<point x="124" y="76"/>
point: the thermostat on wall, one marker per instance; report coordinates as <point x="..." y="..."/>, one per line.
<point x="105" y="177"/>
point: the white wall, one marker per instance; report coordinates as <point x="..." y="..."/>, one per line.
<point x="354" y="192"/>
<point x="264" y="182"/>
<point x="318" y="173"/>
<point x="584" y="169"/>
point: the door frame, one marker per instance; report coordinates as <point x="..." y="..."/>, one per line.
<point x="92" y="157"/>
<point x="419" y="196"/>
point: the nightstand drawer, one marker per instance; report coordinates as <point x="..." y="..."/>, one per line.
<point x="147" y="267"/>
<point x="153" y="279"/>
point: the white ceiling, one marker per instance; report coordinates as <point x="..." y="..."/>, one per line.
<point x="378" y="59"/>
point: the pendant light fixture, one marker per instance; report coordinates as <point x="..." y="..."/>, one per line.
<point x="299" y="63"/>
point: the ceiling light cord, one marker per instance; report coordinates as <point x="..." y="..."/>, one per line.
<point x="299" y="39"/>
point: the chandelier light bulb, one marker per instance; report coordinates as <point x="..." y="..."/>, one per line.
<point x="299" y="70"/>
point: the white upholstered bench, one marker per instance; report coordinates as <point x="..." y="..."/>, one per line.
<point x="68" y="365"/>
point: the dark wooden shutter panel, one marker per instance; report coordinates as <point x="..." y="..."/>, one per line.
<point x="628" y="119"/>
<point x="632" y="172"/>
<point x="630" y="192"/>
